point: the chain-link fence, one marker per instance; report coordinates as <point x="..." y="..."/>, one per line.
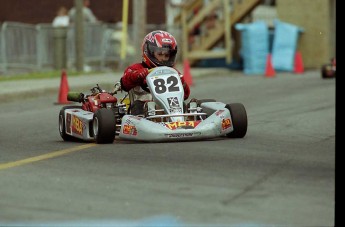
<point x="30" y="47"/>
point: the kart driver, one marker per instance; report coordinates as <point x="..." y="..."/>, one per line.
<point x="159" y="48"/>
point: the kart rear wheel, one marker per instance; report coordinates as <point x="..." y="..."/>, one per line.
<point x="62" y="123"/>
<point x="239" y="120"/>
<point x="104" y="126"/>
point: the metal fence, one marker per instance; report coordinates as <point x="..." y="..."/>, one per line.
<point x="31" y="47"/>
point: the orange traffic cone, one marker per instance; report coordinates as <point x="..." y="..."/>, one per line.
<point x="62" y="99"/>
<point x="298" y="67"/>
<point x="186" y="73"/>
<point x="269" y="71"/>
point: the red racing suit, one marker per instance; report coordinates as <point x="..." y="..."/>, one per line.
<point x="130" y="79"/>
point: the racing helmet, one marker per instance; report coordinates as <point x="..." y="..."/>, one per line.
<point x="159" y="41"/>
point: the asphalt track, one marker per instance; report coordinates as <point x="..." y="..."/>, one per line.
<point x="282" y="173"/>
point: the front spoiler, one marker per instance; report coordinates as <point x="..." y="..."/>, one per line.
<point x="140" y="129"/>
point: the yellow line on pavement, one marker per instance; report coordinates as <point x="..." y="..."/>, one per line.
<point x="44" y="156"/>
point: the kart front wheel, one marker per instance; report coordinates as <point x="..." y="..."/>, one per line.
<point x="239" y="120"/>
<point x="104" y="126"/>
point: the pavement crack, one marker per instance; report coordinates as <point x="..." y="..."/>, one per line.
<point x="250" y="187"/>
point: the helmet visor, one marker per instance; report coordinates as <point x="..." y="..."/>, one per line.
<point x="162" y="55"/>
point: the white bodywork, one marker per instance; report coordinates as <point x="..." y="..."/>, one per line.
<point x="78" y="123"/>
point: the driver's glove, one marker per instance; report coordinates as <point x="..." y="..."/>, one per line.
<point x="141" y="74"/>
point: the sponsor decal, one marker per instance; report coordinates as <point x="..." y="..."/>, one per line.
<point x="182" y="124"/>
<point x="226" y="123"/>
<point x="77" y="125"/>
<point x="219" y="112"/>
<point x="165" y="40"/>
<point x="173" y="102"/>
<point x="175" y="110"/>
<point x="181" y="135"/>
<point x="129" y="130"/>
<point x="134" y="117"/>
<point x="128" y="121"/>
<point x="68" y="123"/>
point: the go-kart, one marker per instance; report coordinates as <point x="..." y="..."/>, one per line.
<point x="329" y="70"/>
<point x="102" y="117"/>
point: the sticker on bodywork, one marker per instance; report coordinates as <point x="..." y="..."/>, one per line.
<point x="226" y="123"/>
<point x="182" y="135"/>
<point x="219" y="113"/>
<point x="68" y="123"/>
<point x="77" y="125"/>
<point x="182" y="124"/>
<point x="129" y="130"/>
<point x="173" y="102"/>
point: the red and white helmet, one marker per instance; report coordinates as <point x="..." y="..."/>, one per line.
<point x="157" y="41"/>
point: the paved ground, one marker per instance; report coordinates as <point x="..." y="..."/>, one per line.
<point x="282" y="173"/>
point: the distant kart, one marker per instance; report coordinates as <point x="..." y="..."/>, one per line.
<point x="102" y="117"/>
<point x="329" y="70"/>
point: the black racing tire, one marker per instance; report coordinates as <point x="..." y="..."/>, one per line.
<point x="239" y="120"/>
<point x="62" y="123"/>
<point x="104" y="126"/>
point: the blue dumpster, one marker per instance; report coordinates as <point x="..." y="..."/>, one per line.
<point x="284" y="45"/>
<point x="254" y="46"/>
